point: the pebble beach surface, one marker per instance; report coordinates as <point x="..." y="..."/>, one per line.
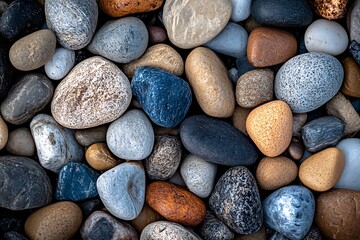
<point x="178" y="119"/>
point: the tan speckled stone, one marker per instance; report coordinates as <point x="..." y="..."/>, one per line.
<point x="210" y="82"/>
<point x="330" y="9"/>
<point x="4" y="133"/>
<point x="100" y="158"/>
<point x="321" y="171"/>
<point x="351" y="84"/>
<point x="270" y="127"/>
<point x="239" y="118"/>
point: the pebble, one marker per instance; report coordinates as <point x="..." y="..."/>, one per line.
<point x="6" y="72"/>
<point x="165" y="157"/>
<point x="330" y="9"/>
<point x="131" y="136"/>
<point x="4" y="133"/>
<point x="217" y="141"/>
<point x="354" y="49"/>
<point x="235" y="200"/>
<point x="165" y="230"/>
<point x="313" y="234"/>
<point x="3" y="6"/>
<point x="177" y="179"/>
<point x="337" y="214"/>
<point x="175" y="203"/>
<point x="209" y="79"/>
<point x="121" y="40"/>
<point x="270" y="46"/>
<point x="213" y="228"/>
<point x="59" y="220"/>
<point x="353" y="18"/>
<point x="254" y="88"/>
<point x="239" y="118"/>
<point x="274" y="173"/>
<point x="89" y="206"/>
<point x="31" y="190"/>
<point x="321" y="171"/>
<point x="33" y="51"/>
<point x="243" y="65"/>
<point x="240" y="10"/>
<point x="60" y="64"/>
<point x="259" y="235"/>
<point x="199" y="175"/>
<point x="13" y="235"/>
<point x="231" y="41"/>
<point x="350" y="179"/>
<point x="299" y="120"/>
<point x="26" y="98"/>
<point x="326" y="36"/>
<point x="20" y="142"/>
<point x="146" y="217"/>
<point x="100" y="225"/>
<point x="296" y="149"/>
<point x="351" y="85"/>
<point x="270" y="127"/>
<point x="89" y="136"/>
<point x="122" y="190"/>
<point x="290" y="211"/>
<point x="55" y="145"/>
<point x="282" y="13"/>
<point x="99" y="157"/>
<point x="73" y="22"/>
<point x="234" y="74"/>
<point x="164" y="97"/>
<point x="95" y="92"/>
<point x="157" y="34"/>
<point x="120" y="8"/>
<point x="160" y="56"/>
<point x="307" y="81"/>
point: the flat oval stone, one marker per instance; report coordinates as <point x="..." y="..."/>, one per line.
<point x="235" y="200"/>
<point x="33" y="189"/>
<point x="209" y="79"/>
<point x="99" y="157"/>
<point x="131" y="137"/>
<point x="121" y="40"/>
<point x="146" y="216"/>
<point x="20" y="142"/>
<point x="290" y="210"/>
<point x="59" y="220"/>
<point x="353" y="17"/>
<point x="120" y="8"/>
<point x="4" y="133"/>
<point x="331" y="10"/>
<point x="55" y="145"/>
<point x="351" y="85"/>
<point x="95" y="92"/>
<point x="26" y="98"/>
<point x="89" y="136"/>
<point x="213" y="228"/>
<point x="60" y="64"/>
<point x="240" y="10"/>
<point x="165" y="230"/>
<point x="73" y="22"/>
<point x="187" y="21"/>
<point x="217" y="141"/>
<point x="33" y="50"/>
<point x="122" y="190"/>
<point x="6" y="72"/>
<point x="308" y="81"/>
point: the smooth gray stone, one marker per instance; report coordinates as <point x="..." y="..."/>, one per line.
<point x="165" y="230"/>
<point x="353" y="19"/>
<point x="212" y="228"/>
<point x="89" y="136"/>
<point x="21" y="142"/>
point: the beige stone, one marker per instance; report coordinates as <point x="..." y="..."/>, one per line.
<point x="4" y="133"/>
<point x="100" y="158"/>
<point x="239" y="118"/>
<point x="351" y="84"/>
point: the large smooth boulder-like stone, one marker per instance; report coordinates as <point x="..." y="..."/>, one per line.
<point x="165" y="230"/>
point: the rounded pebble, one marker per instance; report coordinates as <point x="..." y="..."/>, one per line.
<point x="351" y="85"/>
<point x="239" y="118"/>
<point x="299" y="120"/>
<point x="165" y="230"/>
<point x="60" y="64"/>
<point x="157" y="34"/>
<point x="330" y="9"/>
<point x="4" y="133"/>
<point x="20" y="142"/>
<point x="86" y="137"/>
<point x="240" y="10"/>
<point x="99" y="157"/>
<point x="296" y="149"/>
<point x="353" y="18"/>
<point x="120" y="8"/>
<point x="146" y="217"/>
<point x="6" y="72"/>
<point x="213" y="228"/>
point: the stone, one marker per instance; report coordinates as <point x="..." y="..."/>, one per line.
<point x="177" y="179"/>
<point x="296" y="149"/>
<point x="356" y="104"/>
<point x="89" y="136"/>
<point x="26" y="98"/>
<point x="121" y="40"/>
<point x="76" y="182"/>
<point x="89" y="206"/>
<point x="20" y="142"/>
<point x="60" y="64"/>
<point x="250" y="24"/>
<point x="234" y="74"/>
<point x="157" y="34"/>
<point x="354" y="49"/>
<point x="307" y="81"/>
<point x="209" y="79"/>
<point x="231" y="41"/>
<point x="165" y="230"/>
<point x="160" y="56"/>
<point x="131" y="137"/>
<point x="165" y="157"/>
<point x="274" y="173"/>
<point x="259" y="235"/>
<point x="353" y="17"/>
<point x="290" y="211"/>
<point x="254" y="88"/>
<point x="239" y="118"/>
<point x="100" y="225"/>
<point x="340" y="107"/>
<point x="95" y="92"/>
<point x="243" y="65"/>
<point x="3" y="6"/>
<point x="20" y="18"/>
<point x="164" y="97"/>
<point x="55" y="145"/>
<point x="299" y="120"/>
<point x="322" y="132"/>
<point x="6" y="72"/>
<point x="313" y="234"/>
<point x="33" y="51"/>
<point x="4" y="133"/>
<point x="122" y="190"/>
<point x="73" y="22"/>
<point x="213" y="228"/>
<point x="31" y="190"/>
<point x="270" y="46"/>
<point x="120" y="8"/>
<point x="199" y="175"/>
<point x="99" y="157"/>
<point x="270" y="127"/>
<point x="240" y="10"/>
<point x="146" y="217"/>
<point x="326" y="36"/>
<point x="217" y="141"/>
<point x="350" y="178"/>
<point x="59" y="220"/>
<point x="321" y="171"/>
<point x="282" y="13"/>
<point x="175" y="203"/>
<point x="13" y="235"/>
<point x="351" y="85"/>
<point x="331" y="10"/>
<point x="235" y="200"/>
<point x="337" y="215"/>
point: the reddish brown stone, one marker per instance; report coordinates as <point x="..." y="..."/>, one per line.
<point x="157" y="34"/>
<point x="120" y="8"/>
<point x="351" y="84"/>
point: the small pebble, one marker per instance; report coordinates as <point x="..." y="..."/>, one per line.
<point x="60" y="64"/>
<point x="258" y="235"/>
<point x="177" y="179"/>
<point x="157" y="34"/>
<point x="240" y="10"/>
<point x="351" y="85"/>
<point x="165" y="230"/>
<point x="234" y="74"/>
<point x="120" y="8"/>
<point x="330" y="9"/>
<point x="89" y="136"/>
<point x="90" y="206"/>
<point x="354" y="49"/>
<point x="146" y="217"/>
<point x="239" y="118"/>
<point x="20" y="142"/>
<point x="296" y="149"/>
<point x="353" y="18"/>
<point x="299" y="120"/>
<point x="213" y="228"/>
<point x="243" y="65"/>
<point x="99" y="157"/>
<point x="4" y="133"/>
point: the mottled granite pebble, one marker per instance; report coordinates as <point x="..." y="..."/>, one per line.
<point x="165" y="230"/>
<point x="213" y="228"/>
<point x="354" y="49"/>
<point x="21" y="142"/>
<point x="60" y="64"/>
<point x="89" y="136"/>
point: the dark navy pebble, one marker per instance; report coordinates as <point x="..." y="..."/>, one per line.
<point x="356" y="104"/>
<point x="6" y="71"/>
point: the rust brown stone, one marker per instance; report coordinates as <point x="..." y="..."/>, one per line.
<point x="351" y="84"/>
<point x="120" y="8"/>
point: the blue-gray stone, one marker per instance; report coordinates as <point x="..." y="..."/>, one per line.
<point x="290" y="211"/>
<point x="164" y="97"/>
<point x="76" y="182"/>
<point x="235" y="200"/>
<point x="356" y="104"/>
<point x="13" y="235"/>
<point x="354" y="49"/>
<point x="243" y="65"/>
<point x="213" y="228"/>
<point x="313" y="234"/>
<point x="89" y="206"/>
<point x="217" y="141"/>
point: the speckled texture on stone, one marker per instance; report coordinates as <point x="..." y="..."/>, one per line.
<point x="13" y="235"/>
<point x="235" y="200"/>
<point x="20" y="142"/>
<point x="308" y="81"/>
<point x="89" y="136"/>
<point x="213" y="228"/>
<point x="165" y="230"/>
<point x="330" y="9"/>
<point x="120" y="8"/>
<point x="353" y="18"/>
<point x="354" y="49"/>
